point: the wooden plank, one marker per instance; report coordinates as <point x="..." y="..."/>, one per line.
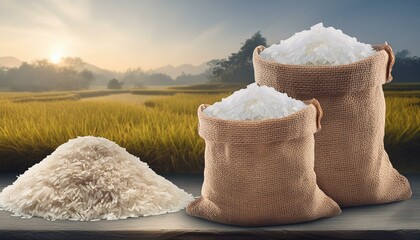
<point x="390" y="221"/>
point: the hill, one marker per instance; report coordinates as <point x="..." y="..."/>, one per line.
<point x="174" y="72"/>
<point x="102" y="76"/>
<point x="10" y="62"/>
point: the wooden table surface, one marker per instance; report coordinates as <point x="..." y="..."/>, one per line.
<point x="390" y="221"/>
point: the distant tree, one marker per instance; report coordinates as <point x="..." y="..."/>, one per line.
<point x="132" y="77"/>
<point x="74" y="62"/>
<point x="137" y="77"/>
<point x="212" y="67"/>
<point x="158" y="79"/>
<point x="88" y="76"/>
<point x="41" y="75"/>
<point x="238" y="66"/>
<point x="2" y="76"/>
<point x="403" y="54"/>
<point x="115" y="84"/>
<point x="186" y="79"/>
<point x="406" y="68"/>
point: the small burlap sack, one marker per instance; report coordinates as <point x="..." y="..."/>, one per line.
<point x="261" y="172"/>
<point x="351" y="164"/>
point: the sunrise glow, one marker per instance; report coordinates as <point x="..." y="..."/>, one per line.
<point x="56" y="57"/>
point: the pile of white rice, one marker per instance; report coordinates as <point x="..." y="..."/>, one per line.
<point x="318" y="46"/>
<point x="255" y="103"/>
<point x="88" y="179"/>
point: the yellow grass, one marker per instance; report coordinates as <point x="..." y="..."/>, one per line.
<point x="126" y="98"/>
<point x="162" y="130"/>
<point x="402" y="121"/>
<point x="167" y="140"/>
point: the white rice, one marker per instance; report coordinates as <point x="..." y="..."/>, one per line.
<point x="255" y="103"/>
<point x="318" y="46"/>
<point x="88" y="179"/>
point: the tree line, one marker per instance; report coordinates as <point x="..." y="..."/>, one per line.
<point x="406" y="67"/>
<point x="137" y="77"/>
<point x="238" y="66"/>
<point x="42" y="75"/>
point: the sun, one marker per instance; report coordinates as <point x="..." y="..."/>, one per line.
<point x="56" y="58"/>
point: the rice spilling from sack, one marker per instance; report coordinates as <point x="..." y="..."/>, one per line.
<point x="89" y="179"/>
<point x="255" y="103"/>
<point x="318" y="46"/>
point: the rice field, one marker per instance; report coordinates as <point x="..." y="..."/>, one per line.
<point x="166" y="140"/>
<point x="160" y="129"/>
<point x="402" y="132"/>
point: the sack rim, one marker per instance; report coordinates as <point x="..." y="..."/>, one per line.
<point x="250" y="122"/>
<point x="299" y="124"/>
<point x="325" y="80"/>
<point x="261" y="48"/>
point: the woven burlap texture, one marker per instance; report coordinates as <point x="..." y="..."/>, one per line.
<point x="261" y="172"/>
<point x="351" y="164"/>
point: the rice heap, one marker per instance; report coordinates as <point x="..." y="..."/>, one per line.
<point x="255" y="103"/>
<point x="318" y="46"/>
<point x="91" y="178"/>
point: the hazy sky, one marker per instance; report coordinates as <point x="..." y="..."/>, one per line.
<point x="122" y="34"/>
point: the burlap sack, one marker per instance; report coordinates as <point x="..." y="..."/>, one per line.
<point x="261" y="172"/>
<point x="351" y="164"/>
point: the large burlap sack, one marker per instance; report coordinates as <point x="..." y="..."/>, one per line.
<point x="261" y="172"/>
<point x="351" y="164"/>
